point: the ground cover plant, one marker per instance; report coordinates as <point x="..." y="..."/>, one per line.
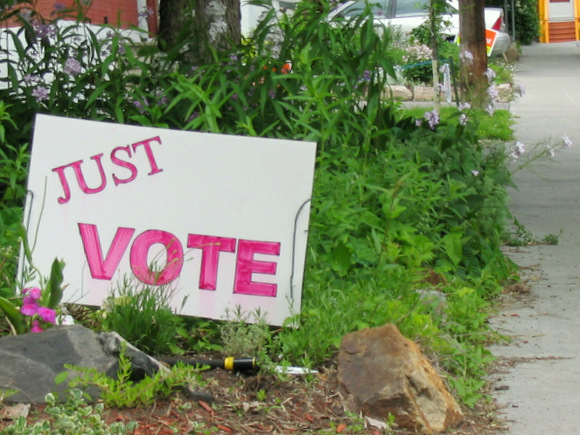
<point x="404" y="204"/>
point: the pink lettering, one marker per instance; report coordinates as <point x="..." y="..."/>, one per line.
<point x="246" y="266"/>
<point x="210" y="249"/>
<point x="64" y="182"/>
<point x="104" y="269"/>
<point x="140" y="250"/>
<point x="80" y="178"/>
<point x="147" y="145"/>
<point x="116" y="160"/>
<point x="123" y="163"/>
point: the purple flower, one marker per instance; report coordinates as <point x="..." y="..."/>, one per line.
<point x="193" y="116"/>
<point x="475" y="172"/>
<point x="463" y="119"/>
<point x="432" y="118"/>
<point x="26" y="15"/>
<point x="464" y="106"/>
<point x="493" y="92"/>
<point x="47" y="315"/>
<point x="35" y="326"/>
<point x="40" y="93"/>
<point x="72" y="66"/>
<point x="30" y="79"/>
<point x="29" y="309"/>
<point x="272" y="93"/>
<point x="490" y="110"/>
<point x="160" y="95"/>
<point x="146" y="13"/>
<point x="141" y="105"/>
<point x="490" y="74"/>
<point x="45" y="31"/>
<point x="418" y="122"/>
<point x="521" y="90"/>
<point x="59" y="7"/>
<point x="366" y="75"/>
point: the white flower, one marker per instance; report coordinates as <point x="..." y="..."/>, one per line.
<point x="463" y="119"/>
<point x="520" y="148"/>
<point x="475" y="172"/>
<point x="567" y="141"/>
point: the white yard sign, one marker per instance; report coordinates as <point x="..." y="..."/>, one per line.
<point x="220" y="220"/>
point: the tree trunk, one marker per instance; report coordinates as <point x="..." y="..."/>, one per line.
<point x="194" y="27"/>
<point x="472" y="31"/>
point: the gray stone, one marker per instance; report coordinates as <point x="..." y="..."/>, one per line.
<point x="30" y="362"/>
<point x="380" y="372"/>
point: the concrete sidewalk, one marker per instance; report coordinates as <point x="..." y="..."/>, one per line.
<point x="540" y="391"/>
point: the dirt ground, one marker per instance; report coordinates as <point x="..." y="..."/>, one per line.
<point x="257" y="403"/>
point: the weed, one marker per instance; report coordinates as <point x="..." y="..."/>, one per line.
<point x="124" y="393"/>
<point x="141" y="315"/>
<point x="520" y="236"/>
<point x="239" y="337"/>
<point x="261" y="396"/>
<point x="74" y="416"/>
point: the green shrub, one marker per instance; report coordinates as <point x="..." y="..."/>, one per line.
<point x="395" y="197"/>
<point x="141" y="315"/>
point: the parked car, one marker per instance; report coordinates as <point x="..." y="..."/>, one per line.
<point x="406" y="15"/>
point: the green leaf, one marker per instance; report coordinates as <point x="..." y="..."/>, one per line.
<point x="61" y="377"/>
<point x="13" y="315"/>
<point x="453" y="247"/>
<point x="342" y="258"/>
<point x="53" y="292"/>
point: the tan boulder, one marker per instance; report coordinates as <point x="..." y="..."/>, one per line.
<point x="423" y="93"/>
<point x="399" y="93"/>
<point x="380" y="372"/>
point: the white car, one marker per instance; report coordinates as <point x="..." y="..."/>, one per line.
<point x="406" y="15"/>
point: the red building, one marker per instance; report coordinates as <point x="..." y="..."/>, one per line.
<point x="122" y="13"/>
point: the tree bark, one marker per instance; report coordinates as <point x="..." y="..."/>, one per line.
<point x="472" y="31"/>
<point x="194" y="27"/>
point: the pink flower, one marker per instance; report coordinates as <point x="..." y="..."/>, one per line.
<point x="29" y="309"/>
<point x="35" y="326"/>
<point x="33" y="292"/>
<point x="46" y="314"/>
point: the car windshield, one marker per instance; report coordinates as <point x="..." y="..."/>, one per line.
<point x="358" y="8"/>
<point x="411" y="8"/>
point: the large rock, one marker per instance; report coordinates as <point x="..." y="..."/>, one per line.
<point x="399" y="93"/>
<point x="423" y="93"/>
<point x="30" y="362"/>
<point x="381" y="372"/>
